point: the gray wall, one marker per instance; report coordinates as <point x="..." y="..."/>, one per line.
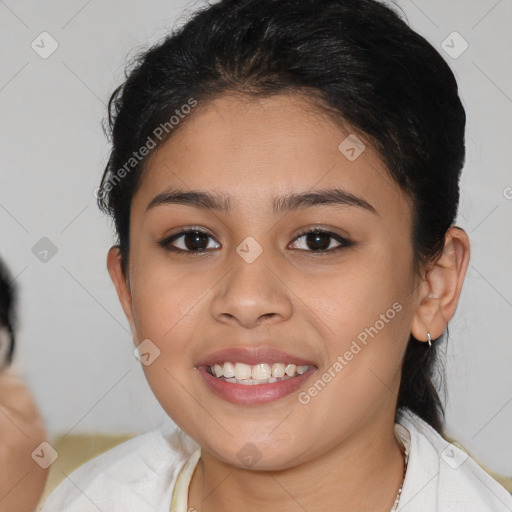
<point x="75" y="350"/>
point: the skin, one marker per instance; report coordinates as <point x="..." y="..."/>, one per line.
<point x="290" y="298"/>
<point x="21" y="427"/>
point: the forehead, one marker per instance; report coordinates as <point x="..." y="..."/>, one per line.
<point x="255" y="149"/>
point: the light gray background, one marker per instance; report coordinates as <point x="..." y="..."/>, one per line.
<point x="75" y="350"/>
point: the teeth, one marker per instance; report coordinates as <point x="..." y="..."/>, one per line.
<point x="242" y="373"/>
<point x="278" y="370"/>
<point x="290" y="370"/>
<point x="228" y="370"/>
<point x="261" y="371"/>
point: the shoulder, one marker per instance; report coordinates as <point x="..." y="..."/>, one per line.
<point x="442" y="477"/>
<point x="138" y="474"/>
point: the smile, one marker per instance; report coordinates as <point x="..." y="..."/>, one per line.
<point x="262" y="373"/>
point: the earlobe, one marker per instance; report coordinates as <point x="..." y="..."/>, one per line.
<point x="442" y="286"/>
<point x="114" y="265"/>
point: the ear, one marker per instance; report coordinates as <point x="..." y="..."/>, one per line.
<point x="441" y="287"/>
<point x="121" y="283"/>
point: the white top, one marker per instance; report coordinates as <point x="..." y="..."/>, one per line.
<point x="142" y="474"/>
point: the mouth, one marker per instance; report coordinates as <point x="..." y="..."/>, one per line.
<point x="254" y="376"/>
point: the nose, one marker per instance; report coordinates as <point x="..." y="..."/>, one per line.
<point x="252" y="294"/>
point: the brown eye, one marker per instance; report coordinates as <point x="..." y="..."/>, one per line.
<point x="189" y="240"/>
<point x="319" y="240"/>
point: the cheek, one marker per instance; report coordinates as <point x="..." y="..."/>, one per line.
<point x="166" y="301"/>
<point x="354" y="296"/>
<point x="364" y="318"/>
<point x="364" y="341"/>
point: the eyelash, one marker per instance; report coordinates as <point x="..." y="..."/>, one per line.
<point x="166" y="242"/>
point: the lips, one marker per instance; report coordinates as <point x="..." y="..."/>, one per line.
<point x="257" y="394"/>
<point x="254" y="393"/>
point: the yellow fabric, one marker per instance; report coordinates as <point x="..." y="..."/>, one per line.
<point x="75" y="450"/>
<point x="180" y="492"/>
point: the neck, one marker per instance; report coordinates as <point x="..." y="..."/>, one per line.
<point x="362" y="472"/>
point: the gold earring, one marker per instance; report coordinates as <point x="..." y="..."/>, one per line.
<point x="429" y="340"/>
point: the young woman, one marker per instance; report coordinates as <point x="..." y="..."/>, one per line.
<point x="284" y="185"/>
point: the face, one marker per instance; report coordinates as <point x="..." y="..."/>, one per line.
<point x="340" y="300"/>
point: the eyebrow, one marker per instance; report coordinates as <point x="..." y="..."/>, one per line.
<point x="286" y="203"/>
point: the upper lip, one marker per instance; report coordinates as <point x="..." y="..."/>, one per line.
<point x="252" y="356"/>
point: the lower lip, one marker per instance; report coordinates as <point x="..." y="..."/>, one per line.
<point x="248" y="394"/>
